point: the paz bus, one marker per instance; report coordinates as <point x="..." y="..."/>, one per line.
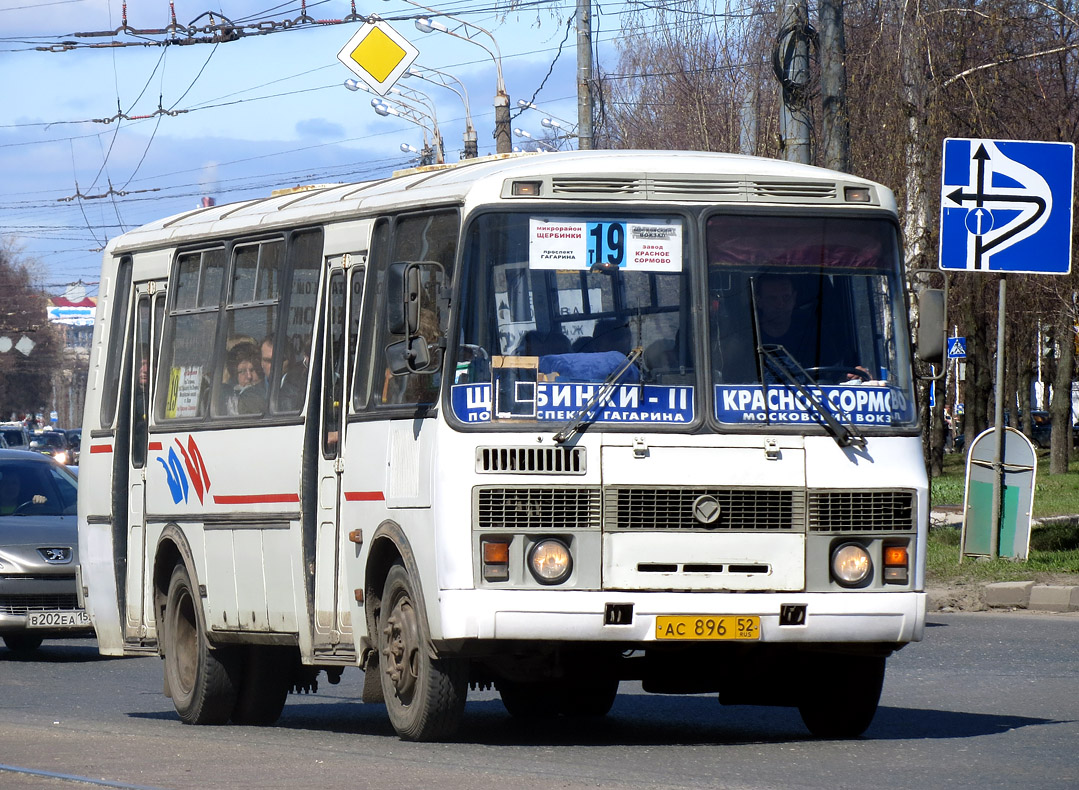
<point x="520" y="423"/>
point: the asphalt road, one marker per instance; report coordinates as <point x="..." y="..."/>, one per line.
<point x="987" y="700"/>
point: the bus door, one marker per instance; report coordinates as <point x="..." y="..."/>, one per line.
<point x="344" y="291"/>
<point x="146" y="332"/>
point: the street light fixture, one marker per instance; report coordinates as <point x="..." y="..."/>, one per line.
<point x="528" y="136"/>
<point x="407" y="99"/>
<point x="441" y="78"/>
<point x="414" y="115"/>
<point x="467" y="32"/>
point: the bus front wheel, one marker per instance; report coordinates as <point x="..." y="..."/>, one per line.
<point x="200" y="678"/>
<point x="425" y="694"/>
<point x="844" y="695"/>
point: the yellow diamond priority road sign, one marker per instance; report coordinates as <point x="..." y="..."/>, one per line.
<point x="378" y="55"/>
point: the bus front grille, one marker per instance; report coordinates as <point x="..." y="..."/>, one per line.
<point x="861" y="511"/>
<point x="723" y="509"/>
<point x="535" y="507"/>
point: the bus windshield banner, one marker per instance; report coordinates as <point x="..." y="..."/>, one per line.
<point x="548" y="401"/>
<point x="644" y="245"/>
<point x="858" y="405"/>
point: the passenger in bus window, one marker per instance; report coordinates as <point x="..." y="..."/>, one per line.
<point x="248" y="396"/>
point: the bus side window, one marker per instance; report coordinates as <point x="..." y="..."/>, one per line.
<point x="186" y="355"/>
<point x="292" y="354"/>
<point x="425" y="237"/>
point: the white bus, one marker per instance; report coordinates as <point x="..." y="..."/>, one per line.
<point x="512" y="423"/>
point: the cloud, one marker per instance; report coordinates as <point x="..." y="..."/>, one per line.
<point x="320" y="129"/>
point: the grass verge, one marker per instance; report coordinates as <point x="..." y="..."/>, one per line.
<point x="1054" y="548"/>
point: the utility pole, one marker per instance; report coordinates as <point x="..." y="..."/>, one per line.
<point x="584" y="74"/>
<point x="792" y="70"/>
<point x="833" y="86"/>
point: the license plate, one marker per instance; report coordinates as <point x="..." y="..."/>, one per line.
<point x="67" y="619"/>
<point x="708" y="627"/>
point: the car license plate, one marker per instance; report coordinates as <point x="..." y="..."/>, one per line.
<point x="67" y="619"/>
<point x="708" y="627"/>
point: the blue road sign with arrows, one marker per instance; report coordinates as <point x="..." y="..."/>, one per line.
<point x="957" y="348"/>
<point x="1006" y="206"/>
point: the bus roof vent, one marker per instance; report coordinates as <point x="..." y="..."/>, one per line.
<point x="607" y="186"/>
<point x="531" y="460"/>
<point x="688" y="188"/>
<point x="783" y="191"/>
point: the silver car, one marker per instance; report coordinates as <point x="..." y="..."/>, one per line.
<point x="39" y="551"/>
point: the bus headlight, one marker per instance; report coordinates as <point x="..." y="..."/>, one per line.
<point x="550" y="561"/>
<point x="851" y="564"/>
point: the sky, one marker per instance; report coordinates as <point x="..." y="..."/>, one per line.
<point x="238" y="119"/>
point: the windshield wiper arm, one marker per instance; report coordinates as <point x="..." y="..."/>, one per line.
<point x="778" y="356"/>
<point x="583" y="416"/>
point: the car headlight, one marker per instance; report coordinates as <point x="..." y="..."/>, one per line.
<point x="61" y="456"/>
<point x="851" y="564"/>
<point x="550" y="561"/>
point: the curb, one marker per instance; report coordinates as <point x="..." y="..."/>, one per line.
<point x="1017" y="595"/>
<point x="1028" y="595"/>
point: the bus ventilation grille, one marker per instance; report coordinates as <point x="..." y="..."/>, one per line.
<point x="532" y="460"/>
<point x="673" y="508"/>
<point x="792" y="190"/>
<point x="546" y="507"/>
<point x="861" y="511"/>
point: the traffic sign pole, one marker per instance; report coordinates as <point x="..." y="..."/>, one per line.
<point x="998" y="459"/>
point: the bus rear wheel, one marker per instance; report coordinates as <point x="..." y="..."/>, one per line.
<point x="200" y="678"/>
<point x="844" y="694"/>
<point x="425" y="694"/>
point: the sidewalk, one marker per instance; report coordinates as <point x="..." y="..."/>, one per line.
<point x="1010" y="596"/>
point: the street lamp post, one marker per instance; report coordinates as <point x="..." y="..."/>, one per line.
<point x="467" y="32"/>
<point x="441" y="78"/>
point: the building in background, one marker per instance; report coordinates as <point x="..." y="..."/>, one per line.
<point x="72" y="316"/>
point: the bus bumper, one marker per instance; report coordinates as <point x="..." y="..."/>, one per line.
<point x="580" y="616"/>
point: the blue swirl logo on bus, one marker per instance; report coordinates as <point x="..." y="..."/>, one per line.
<point x="190" y="474"/>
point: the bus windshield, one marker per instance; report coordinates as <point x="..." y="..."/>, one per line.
<point x="589" y="317"/>
<point x="829" y="316"/>
<point x="559" y="311"/>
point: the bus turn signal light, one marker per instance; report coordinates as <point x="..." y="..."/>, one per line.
<point x="895" y="565"/>
<point x="496" y="560"/>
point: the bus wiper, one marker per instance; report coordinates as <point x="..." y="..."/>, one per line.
<point x="584" y="416"/>
<point x="779" y="357"/>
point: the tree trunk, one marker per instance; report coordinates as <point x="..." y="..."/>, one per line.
<point x="1060" y="408"/>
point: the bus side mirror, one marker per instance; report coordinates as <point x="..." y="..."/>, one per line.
<point x="931" y="327"/>
<point x="408" y="356"/>
<point x="403" y="299"/>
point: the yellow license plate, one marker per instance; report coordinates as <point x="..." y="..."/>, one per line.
<point x="708" y="627"/>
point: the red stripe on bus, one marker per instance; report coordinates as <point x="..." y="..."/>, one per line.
<point x="153" y="446"/>
<point x="100" y="448"/>
<point x="364" y="496"/>
<point x="256" y="499"/>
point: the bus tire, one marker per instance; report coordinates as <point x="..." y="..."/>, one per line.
<point x="844" y="695"/>
<point x="22" y="643"/>
<point x="200" y="678"/>
<point x="590" y="698"/>
<point x="425" y="695"/>
<point x="264" y="687"/>
<point x="529" y="700"/>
